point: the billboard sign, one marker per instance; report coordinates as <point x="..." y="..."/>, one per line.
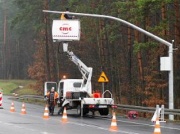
<point x="65" y="30"/>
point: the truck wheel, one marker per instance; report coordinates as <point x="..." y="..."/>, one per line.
<point x="104" y="111"/>
<point x="85" y="111"/>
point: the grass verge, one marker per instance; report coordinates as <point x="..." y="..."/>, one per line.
<point x="20" y="87"/>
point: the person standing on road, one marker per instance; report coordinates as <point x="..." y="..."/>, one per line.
<point x="52" y="97"/>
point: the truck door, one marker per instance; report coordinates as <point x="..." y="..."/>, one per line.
<point x="61" y="89"/>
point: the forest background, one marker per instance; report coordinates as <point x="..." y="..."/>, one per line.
<point x="130" y="59"/>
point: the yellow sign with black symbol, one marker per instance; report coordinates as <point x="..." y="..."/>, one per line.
<point x="103" y="78"/>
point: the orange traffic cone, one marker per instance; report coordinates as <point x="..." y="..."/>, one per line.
<point x="113" y="126"/>
<point x="157" y="129"/>
<point x="12" y="109"/>
<point x="23" y="109"/>
<point x="46" y="113"/>
<point x="64" y="117"/>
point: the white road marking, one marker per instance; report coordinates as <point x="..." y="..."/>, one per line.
<point x="149" y="125"/>
<point x="46" y="133"/>
<point x="93" y="126"/>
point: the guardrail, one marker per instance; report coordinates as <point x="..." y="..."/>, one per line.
<point x="173" y="112"/>
<point x="119" y="106"/>
<point x="31" y="97"/>
<point x="136" y="108"/>
<point x="147" y="109"/>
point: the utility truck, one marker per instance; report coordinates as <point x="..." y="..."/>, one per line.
<point x="77" y="93"/>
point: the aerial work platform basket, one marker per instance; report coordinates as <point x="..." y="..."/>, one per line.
<point x="65" y="30"/>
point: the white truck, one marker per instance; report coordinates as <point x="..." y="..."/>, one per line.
<point x="77" y="93"/>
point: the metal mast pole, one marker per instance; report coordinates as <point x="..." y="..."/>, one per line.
<point x="171" y="82"/>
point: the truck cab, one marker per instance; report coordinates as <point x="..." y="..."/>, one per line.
<point x="71" y="85"/>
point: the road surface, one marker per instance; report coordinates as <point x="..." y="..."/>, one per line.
<point x="33" y="123"/>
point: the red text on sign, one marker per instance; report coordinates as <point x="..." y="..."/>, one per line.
<point x="65" y="28"/>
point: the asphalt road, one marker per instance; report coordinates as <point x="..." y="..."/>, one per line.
<point x="33" y="123"/>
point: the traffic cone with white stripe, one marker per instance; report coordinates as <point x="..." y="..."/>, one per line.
<point x="157" y="129"/>
<point x="64" y="117"/>
<point x="23" y="109"/>
<point x="46" y="113"/>
<point x="113" y="126"/>
<point x="12" y="109"/>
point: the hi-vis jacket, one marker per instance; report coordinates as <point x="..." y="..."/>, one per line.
<point x="56" y="96"/>
<point x="62" y="17"/>
<point x="65" y="16"/>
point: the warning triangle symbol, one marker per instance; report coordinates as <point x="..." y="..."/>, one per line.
<point x="103" y="78"/>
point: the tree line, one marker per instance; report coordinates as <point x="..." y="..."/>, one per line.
<point x="130" y="59"/>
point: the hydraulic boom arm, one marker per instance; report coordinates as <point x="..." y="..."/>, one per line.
<point x="85" y="71"/>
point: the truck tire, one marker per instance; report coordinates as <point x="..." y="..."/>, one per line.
<point x="85" y="111"/>
<point x="104" y="111"/>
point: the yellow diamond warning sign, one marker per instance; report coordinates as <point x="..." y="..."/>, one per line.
<point x="103" y="78"/>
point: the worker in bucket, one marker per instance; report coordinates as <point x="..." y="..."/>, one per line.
<point x="52" y="98"/>
<point x="66" y="16"/>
